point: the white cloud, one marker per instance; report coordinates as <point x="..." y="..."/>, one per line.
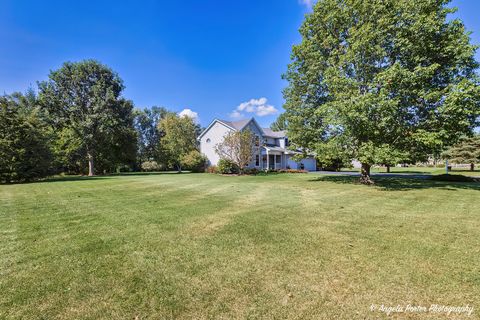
<point x="235" y="114"/>
<point x="189" y="113"/>
<point x="257" y="106"/>
<point x="308" y="3"/>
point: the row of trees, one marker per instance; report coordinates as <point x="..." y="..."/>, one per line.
<point x="381" y="82"/>
<point x="80" y="123"/>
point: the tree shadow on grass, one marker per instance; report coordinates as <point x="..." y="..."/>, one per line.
<point x="401" y="183"/>
<point x="97" y="177"/>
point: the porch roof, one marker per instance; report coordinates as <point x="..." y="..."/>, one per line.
<point x="279" y="149"/>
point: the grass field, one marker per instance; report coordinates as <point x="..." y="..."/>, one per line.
<point x="423" y="170"/>
<point x="206" y="246"/>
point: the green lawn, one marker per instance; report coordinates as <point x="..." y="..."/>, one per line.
<point x="423" y="170"/>
<point x="207" y="246"/>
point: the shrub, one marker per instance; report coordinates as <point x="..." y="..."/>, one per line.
<point x="454" y="178"/>
<point x="211" y="169"/>
<point x="251" y="171"/>
<point x="226" y="166"/>
<point x="292" y="171"/>
<point x="194" y="161"/>
<point x="151" y="166"/>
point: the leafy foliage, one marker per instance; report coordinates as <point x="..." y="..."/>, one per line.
<point x="178" y="139"/>
<point x="86" y="98"/>
<point x="24" y="151"/>
<point x="194" y="161"/>
<point x="237" y="147"/>
<point x="227" y="166"/>
<point x="146" y="125"/>
<point x="381" y="81"/>
<point x="150" y="166"/>
<point x="280" y="124"/>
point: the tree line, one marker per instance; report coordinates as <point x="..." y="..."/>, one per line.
<point x="78" y="122"/>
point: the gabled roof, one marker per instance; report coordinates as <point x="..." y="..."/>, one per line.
<point x="238" y="125"/>
<point x="241" y="124"/>
<point x="234" y="125"/>
<point x="274" y="134"/>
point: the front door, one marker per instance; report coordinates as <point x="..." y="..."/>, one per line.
<point x="271" y="161"/>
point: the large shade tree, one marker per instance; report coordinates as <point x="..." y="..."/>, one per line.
<point x="85" y="97"/>
<point x="381" y="80"/>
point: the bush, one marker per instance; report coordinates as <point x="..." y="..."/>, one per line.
<point x="194" y="161"/>
<point x="211" y="169"/>
<point x="292" y="171"/>
<point x="251" y="171"/>
<point x="226" y="166"/>
<point x="454" y="178"/>
<point x="151" y="166"/>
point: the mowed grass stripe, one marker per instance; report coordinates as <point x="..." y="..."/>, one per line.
<point x="206" y="246"/>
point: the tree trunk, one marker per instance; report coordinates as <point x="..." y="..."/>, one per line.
<point x="472" y="167"/>
<point x="365" y="177"/>
<point x="91" y="169"/>
<point x="388" y="169"/>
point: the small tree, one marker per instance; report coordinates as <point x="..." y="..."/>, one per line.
<point x="238" y="147"/>
<point x="178" y="138"/>
<point x="467" y="151"/>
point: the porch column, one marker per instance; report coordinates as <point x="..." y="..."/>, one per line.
<point x="268" y="160"/>
<point x="275" y="161"/>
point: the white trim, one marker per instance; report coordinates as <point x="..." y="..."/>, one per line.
<point x="211" y="124"/>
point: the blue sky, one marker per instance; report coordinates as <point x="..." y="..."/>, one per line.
<point x="217" y="58"/>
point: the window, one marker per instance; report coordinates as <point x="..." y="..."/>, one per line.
<point x="257" y="141"/>
<point x="257" y="160"/>
<point x="208" y="140"/>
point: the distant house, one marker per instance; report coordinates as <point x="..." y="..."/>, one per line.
<point x="272" y="152"/>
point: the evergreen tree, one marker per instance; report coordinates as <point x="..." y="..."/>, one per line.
<point x="467" y="151"/>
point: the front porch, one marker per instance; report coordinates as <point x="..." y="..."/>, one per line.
<point x="271" y="158"/>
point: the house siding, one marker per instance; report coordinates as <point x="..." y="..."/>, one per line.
<point x="218" y="129"/>
<point x="309" y="163"/>
<point x="216" y="134"/>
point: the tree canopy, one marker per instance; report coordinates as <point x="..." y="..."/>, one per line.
<point x="24" y="151"/>
<point x="237" y="147"/>
<point x="178" y="139"/>
<point x="146" y="125"/>
<point x="380" y="80"/>
<point x="280" y="124"/>
<point x="85" y="97"/>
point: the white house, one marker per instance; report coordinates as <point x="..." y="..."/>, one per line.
<point x="272" y="152"/>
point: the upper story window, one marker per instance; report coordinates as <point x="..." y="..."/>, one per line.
<point x="257" y="141"/>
